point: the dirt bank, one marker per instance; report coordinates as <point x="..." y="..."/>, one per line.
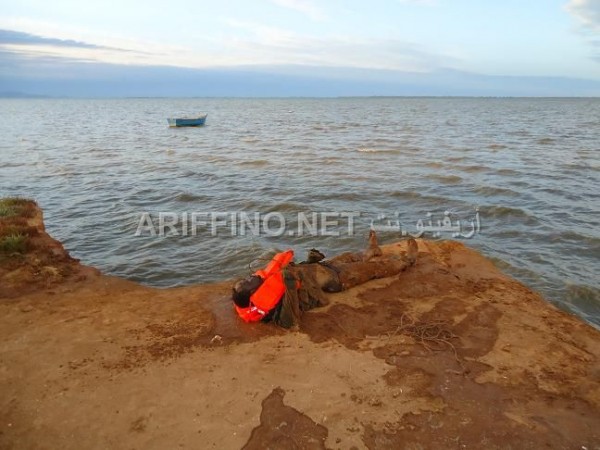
<point x="450" y="354"/>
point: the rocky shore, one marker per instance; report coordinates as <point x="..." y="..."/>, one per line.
<point x="449" y="354"/>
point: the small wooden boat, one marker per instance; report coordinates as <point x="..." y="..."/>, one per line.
<point x="187" y="121"/>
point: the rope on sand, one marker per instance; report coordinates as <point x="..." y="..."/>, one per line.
<point x="432" y="335"/>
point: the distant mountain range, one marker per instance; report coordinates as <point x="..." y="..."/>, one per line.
<point x="106" y="80"/>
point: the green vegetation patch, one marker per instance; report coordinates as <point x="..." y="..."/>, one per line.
<point x="13" y="243"/>
<point x="16" y="207"/>
<point x="11" y="228"/>
<point x="14" y="229"/>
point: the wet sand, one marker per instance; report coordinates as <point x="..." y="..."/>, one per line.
<point x="449" y="354"/>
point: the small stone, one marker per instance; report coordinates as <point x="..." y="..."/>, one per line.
<point x="375" y="402"/>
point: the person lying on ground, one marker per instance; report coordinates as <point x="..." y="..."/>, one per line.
<point x="283" y="290"/>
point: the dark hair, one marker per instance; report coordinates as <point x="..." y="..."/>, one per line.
<point x="243" y="289"/>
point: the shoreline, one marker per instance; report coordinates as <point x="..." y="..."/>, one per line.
<point x="529" y="176"/>
<point x="449" y="353"/>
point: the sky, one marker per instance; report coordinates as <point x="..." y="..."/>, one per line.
<point x="300" y="47"/>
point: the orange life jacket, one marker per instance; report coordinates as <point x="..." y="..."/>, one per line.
<point x="266" y="297"/>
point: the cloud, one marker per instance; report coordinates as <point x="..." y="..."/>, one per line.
<point x="245" y="44"/>
<point x="264" y="45"/>
<point x="587" y="12"/>
<point x="32" y="49"/>
<point x="306" y="7"/>
<point x="21" y="38"/>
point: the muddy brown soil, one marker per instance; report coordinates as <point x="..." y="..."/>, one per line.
<point x="282" y="426"/>
<point x="449" y="354"/>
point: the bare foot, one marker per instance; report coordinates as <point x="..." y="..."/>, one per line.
<point x="314" y="256"/>
<point x="412" y="251"/>
<point x="373" y="248"/>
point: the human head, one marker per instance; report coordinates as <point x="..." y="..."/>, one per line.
<point x="243" y="290"/>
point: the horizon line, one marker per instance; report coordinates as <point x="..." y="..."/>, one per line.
<point x="29" y="96"/>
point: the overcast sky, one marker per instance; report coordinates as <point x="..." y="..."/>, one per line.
<point x="507" y="38"/>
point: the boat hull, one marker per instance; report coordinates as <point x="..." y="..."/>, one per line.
<point x="187" y="122"/>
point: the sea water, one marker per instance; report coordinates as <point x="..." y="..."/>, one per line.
<point x="520" y="176"/>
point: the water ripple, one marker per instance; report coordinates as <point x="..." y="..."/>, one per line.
<point x="534" y="178"/>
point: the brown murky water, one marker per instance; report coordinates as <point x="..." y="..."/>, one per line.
<point x="531" y="166"/>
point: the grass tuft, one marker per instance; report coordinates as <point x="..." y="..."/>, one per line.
<point x="13" y="228"/>
<point x="13" y="243"/>
<point x="7" y="211"/>
<point x="16" y="206"/>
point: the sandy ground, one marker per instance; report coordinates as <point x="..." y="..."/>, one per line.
<point x="449" y="354"/>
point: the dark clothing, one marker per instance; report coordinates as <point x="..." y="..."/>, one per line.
<point x="302" y="293"/>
